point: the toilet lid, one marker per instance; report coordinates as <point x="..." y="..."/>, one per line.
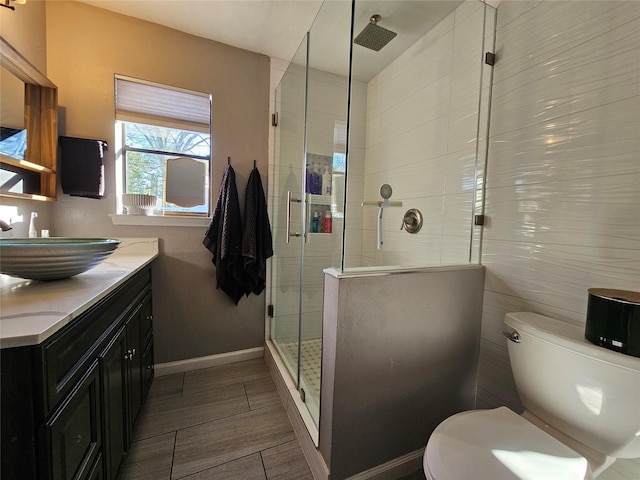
<point x="498" y="445"/>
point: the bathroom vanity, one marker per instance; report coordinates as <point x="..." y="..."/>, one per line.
<point x="76" y="364"/>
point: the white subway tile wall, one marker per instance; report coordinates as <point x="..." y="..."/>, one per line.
<point x="563" y="179"/>
<point x="422" y="128"/>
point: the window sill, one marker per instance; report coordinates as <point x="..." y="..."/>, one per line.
<point x="160" y="221"/>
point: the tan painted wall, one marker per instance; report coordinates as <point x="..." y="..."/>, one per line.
<point x="24" y="28"/>
<point x="86" y="46"/>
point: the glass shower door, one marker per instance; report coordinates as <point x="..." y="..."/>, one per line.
<point x="308" y="200"/>
<point x="325" y="159"/>
<point x="287" y="212"/>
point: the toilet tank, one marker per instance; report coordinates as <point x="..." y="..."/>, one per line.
<point x="587" y="392"/>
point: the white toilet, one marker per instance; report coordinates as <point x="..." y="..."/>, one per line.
<point x="582" y="411"/>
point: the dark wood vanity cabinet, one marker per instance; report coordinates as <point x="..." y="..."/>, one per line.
<point x="123" y="382"/>
<point x="70" y="439"/>
<point x="114" y="384"/>
<point x="69" y="405"/>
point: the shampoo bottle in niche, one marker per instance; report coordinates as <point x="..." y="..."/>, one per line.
<point x="314" y="222"/>
<point x="316" y="180"/>
<point x="33" y="233"/>
<point x="326" y="182"/>
<point x="308" y="179"/>
<point x="327" y="221"/>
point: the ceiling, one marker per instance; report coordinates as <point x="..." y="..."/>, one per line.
<point x="271" y="27"/>
<point x="277" y="27"/>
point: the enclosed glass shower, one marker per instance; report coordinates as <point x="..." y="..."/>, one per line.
<point x="379" y="156"/>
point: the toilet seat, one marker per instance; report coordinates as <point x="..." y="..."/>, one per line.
<point x="498" y="445"/>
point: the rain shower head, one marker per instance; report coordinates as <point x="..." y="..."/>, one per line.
<point x="374" y="36"/>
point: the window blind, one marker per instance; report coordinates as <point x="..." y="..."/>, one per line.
<point x="141" y="101"/>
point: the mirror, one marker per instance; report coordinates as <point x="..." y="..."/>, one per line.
<point x="11" y="115"/>
<point x="185" y="180"/>
<point x="28" y="157"/>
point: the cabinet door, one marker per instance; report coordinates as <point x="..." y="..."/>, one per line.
<point x="147" y="342"/>
<point x="147" y="371"/>
<point x="114" y="364"/>
<point x="134" y="351"/>
<point x="71" y="438"/>
<point x="147" y="320"/>
<point x="96" y="472"/>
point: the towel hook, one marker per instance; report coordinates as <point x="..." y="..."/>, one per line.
<point x="254" y="164"/>
<point x="228" y="160"/>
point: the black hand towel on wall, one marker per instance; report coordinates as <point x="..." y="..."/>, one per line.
<point x="257" y="244"/>
<point x="224" y="239"/>
<point x="82" y="169"/>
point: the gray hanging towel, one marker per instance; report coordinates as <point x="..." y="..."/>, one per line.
<point x="81" y="167"/>
<point x="257" y="244"/>
<point x="224" y="239"/>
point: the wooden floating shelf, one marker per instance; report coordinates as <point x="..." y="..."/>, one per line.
<point x="26" y="165"/>
<point x="28" y="196"/>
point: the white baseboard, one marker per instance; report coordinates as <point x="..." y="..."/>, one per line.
<point x="190" y="364"/>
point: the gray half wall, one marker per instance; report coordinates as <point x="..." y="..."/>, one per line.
<point x="400" y="354"/>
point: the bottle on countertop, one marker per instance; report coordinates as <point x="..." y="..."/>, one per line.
<point x="327" y="221"/>
<point x="33" y="233"/>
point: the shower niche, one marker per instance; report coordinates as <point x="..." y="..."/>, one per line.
<point x="318" y="188"/>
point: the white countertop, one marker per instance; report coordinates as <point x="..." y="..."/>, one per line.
<point x="31" y="311"/>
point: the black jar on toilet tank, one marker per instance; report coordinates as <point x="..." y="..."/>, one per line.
<point x="613" y="320"/>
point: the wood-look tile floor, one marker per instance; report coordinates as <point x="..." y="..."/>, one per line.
<point x="223" y="422"/>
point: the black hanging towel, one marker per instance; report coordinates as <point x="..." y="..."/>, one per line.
<point x="224" y="239"/>
<point x="81" y="166"/>
<point x="257" y="244"/>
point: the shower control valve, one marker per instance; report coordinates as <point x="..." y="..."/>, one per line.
<point x="412" y="221"/>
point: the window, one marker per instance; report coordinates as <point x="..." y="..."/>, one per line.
<point x="164" y="137"/>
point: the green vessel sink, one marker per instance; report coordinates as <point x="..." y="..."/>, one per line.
<point x="52" y="258"/>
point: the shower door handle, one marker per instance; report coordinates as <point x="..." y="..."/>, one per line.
<point x="289" y="200"/>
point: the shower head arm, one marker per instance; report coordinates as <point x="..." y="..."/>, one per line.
<point x="380" y="203"/>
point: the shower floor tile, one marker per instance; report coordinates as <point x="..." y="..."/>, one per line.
<point x="311" y="351"/>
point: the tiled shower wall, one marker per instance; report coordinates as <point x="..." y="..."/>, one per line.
<point x="422" y="125"/>
<point x="563" y="180"/>
<point x="414" y="126"/>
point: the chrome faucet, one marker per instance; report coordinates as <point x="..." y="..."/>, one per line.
<point x="5" y="226"/>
